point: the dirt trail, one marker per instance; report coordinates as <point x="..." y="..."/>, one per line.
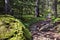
<point x="44" y="33"/>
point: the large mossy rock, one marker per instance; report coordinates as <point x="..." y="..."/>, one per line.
<point x="11" y="28"/>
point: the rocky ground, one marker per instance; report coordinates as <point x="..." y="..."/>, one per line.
<point x="44" y="31"/>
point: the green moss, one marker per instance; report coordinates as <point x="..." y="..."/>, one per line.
<point x="57" y="20"/>
<point x="27" y="34"/>
<point x="11" y="28"/>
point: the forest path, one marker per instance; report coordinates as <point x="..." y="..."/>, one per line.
<point x="41" y="31"/>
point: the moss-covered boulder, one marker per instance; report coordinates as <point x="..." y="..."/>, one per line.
<point x="11" y="28"/>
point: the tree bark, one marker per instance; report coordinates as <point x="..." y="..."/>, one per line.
<point x="37" y="8"/>
<point x="7" y="9"/>
<point x="55" y="8"/>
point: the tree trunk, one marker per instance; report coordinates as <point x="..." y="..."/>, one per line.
<point x="55" y="8"/>
<point x="37" y="8"/>
<point x="7" y="9"/>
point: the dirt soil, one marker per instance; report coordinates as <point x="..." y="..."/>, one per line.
<point x="44" y="33"/>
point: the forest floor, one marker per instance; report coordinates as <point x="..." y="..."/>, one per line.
<point x="40" y="31"/>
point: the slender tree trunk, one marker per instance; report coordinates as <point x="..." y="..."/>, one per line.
<point x="7" y="9"/>
<point x="37" y="8"/>
<point x="55" y="8"/>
